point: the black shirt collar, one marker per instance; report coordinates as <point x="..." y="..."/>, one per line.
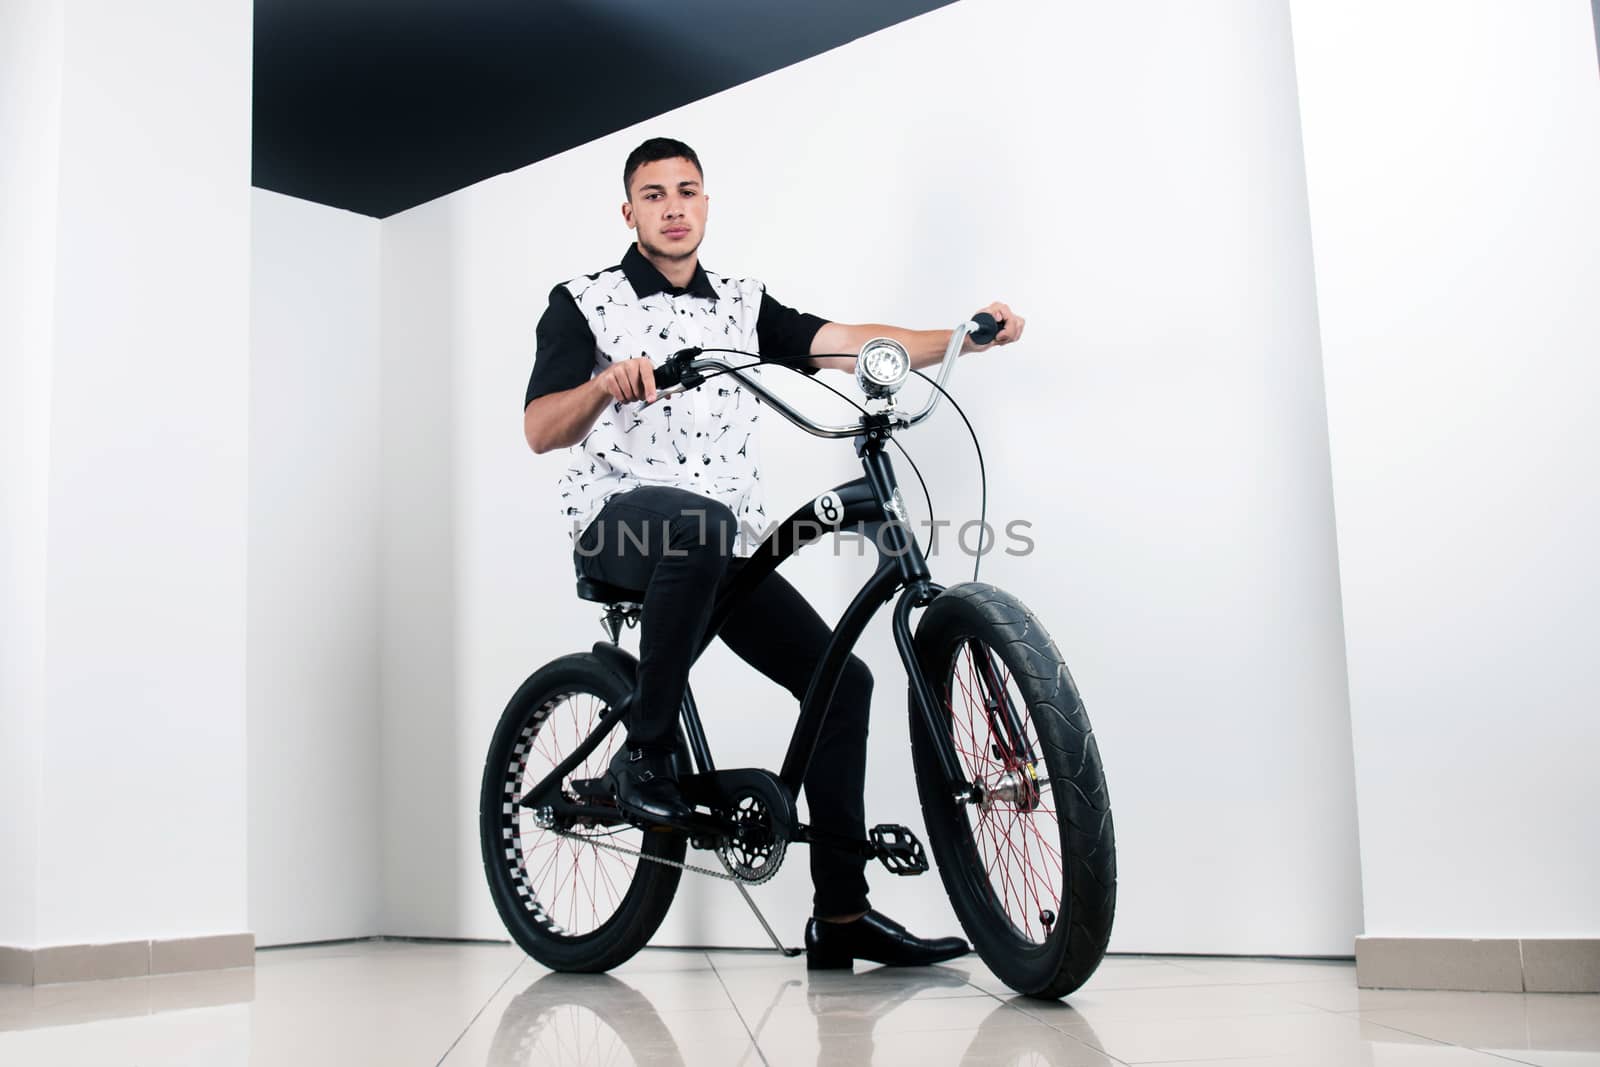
<point x="647" y="281"/>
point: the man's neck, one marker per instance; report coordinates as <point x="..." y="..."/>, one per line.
<point x="678" y="272"/>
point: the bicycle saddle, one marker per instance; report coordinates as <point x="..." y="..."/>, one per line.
<point x="605" y="593"/>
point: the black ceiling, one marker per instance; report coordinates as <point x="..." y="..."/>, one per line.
<point x="376" y="106"/>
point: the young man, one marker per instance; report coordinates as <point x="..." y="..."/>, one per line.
<point x="665" y="498"/>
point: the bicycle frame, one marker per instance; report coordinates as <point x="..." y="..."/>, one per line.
<point x="870" y="505"/>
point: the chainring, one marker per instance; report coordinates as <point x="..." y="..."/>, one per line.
<point x="755" y="852"/>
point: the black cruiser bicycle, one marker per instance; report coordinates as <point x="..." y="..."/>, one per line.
<point x="1007" y="769"/>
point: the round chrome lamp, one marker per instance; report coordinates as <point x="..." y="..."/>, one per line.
<point x="882" y="367"/>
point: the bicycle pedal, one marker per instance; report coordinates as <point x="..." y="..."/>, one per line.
<point x="898" y="849"/>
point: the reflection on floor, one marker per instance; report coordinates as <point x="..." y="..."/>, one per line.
<point x="470" y="1004"/>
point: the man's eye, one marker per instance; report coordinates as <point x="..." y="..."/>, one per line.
<point x="688" y="192"/>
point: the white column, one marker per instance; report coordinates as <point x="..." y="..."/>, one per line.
<point x="127" y="690"/>
<point x="1453" y="158"/>
<point x="30" y="122"/>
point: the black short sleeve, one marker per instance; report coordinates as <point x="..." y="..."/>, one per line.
<point x="564" y="356"/>
<point x="784" y="332"/>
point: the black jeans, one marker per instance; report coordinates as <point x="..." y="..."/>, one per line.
<point x="677" y="546"/>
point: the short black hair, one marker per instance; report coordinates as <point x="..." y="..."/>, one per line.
<point x="653" y="151"/>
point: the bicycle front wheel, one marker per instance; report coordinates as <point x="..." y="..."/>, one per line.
<point x="1029" y="861"/>
<point x="586" y="899"/>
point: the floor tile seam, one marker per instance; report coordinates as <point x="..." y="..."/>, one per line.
<point x="1236" y="1018"/>
<point x="1502" y="1056"/>
<point x="843" y="996"/>
<point x="1415" y="1033"/>
<point x="1294" y="1011"/>
<point x="1284" y="996"/>
<point x="1273" y="981"/>
<point x="760" y="1052"/>
<point x="1196" y="985"/>
<point x="1203" y="1059"/>
<point x="1079" y="1038"/>
<point x="656" y="1009"/>
<point x="1329" y="1011"/>
<point x="1425" y="1037"/>
<point x="481" y="1009"/>
<point x="1218" y="1018"/>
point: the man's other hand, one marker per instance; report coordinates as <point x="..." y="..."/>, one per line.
<point x="1010" y="328"/>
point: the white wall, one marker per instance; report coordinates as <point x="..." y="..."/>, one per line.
<point x="1130" y="178"/>
<point x="139" y="738"/>
<point x="30" y="126"/>
<point x="314" y="623"/>
<point x="1453" y="161"/>
<point x="1137" y="190"/>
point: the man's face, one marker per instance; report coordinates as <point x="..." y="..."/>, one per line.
<point x="667" y="206"/>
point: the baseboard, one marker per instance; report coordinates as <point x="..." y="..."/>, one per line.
<point x="1479" y="965"/>
<point x="125" y="959"/>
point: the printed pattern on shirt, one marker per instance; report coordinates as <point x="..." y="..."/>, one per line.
<point x="705" y="440"/>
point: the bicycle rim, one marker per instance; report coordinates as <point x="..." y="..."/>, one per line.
<point x="570" y="887"/>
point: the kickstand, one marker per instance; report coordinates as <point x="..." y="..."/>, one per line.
<point x="762" y="919"/>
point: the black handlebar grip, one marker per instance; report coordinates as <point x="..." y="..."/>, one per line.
<point x="987" y="329"/>
<point x="668" y="374"/>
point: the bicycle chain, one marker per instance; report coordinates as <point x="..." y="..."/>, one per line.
<point x="626" y="851"/>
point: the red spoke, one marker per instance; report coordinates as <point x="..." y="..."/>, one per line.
<point x="1030" y="877"/>
<point x="1045" y="842"/>
<point x="588" y="884"/>
<point x="1016" y="846"/>
<point x="1005" y="871"/>
<point x="537" y="882"/>
<point x="541" y="741"/>
<point x="572" y="908"/>
<point x="616" y="894"/>
<point x="987" y="827"/>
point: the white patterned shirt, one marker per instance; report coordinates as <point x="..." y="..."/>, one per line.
<point x="705" y="440"/>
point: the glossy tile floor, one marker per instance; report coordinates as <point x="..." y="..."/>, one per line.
<point x="395" y="1003"/>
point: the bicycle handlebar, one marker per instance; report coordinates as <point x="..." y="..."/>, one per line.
<point x="688" y="368"/>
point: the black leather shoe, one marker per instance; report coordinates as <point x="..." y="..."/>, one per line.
<point x="874" y="937"/>
<point x="646" y="785"/>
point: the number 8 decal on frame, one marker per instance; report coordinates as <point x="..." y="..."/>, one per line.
<point x="828" y="508"/>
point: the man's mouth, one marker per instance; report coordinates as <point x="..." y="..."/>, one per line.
<point x="676" y="231"/>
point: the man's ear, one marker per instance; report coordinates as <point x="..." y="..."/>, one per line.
<point x="627" y="214"/>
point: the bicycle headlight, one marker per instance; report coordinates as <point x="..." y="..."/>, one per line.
<point x="882" y="367"/>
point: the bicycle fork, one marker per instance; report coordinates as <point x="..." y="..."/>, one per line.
<point x="1005" y="725"/>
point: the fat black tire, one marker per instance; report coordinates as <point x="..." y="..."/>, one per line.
<point x="1053" y="960"/>
<point x="508" y="837"/>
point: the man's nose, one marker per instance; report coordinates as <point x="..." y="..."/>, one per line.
<point x="674" y="208"/>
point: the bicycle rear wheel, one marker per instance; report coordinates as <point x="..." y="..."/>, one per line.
<point x="1030" y="864"/>
<point x="571" y="902"/>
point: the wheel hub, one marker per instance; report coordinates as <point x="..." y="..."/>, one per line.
<point x="1020" y="787"/>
